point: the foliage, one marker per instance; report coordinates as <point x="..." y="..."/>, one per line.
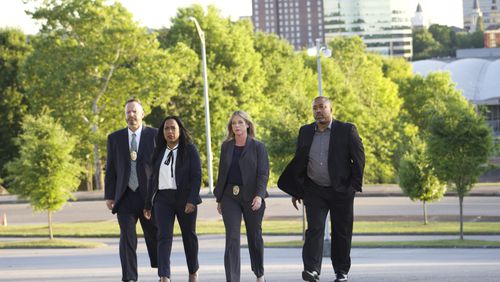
<point x="45" y="172"/>
<point x="290" y="88"/>
<point x="362" y="95"/>
<point x="235" y="74"/>
<point x="90" y="58"/>
<point x="443" y="41"/>
<point x="460" y="144"/>
<point x="416" y="175"/>
<point x="14" y="48"/>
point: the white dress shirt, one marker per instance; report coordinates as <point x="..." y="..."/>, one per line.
<point x="137" y="137"/>
<point x="166" y="178"/>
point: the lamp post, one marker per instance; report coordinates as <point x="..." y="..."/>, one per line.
<point x="201" y="34"/>
<point x="317" y="51"/>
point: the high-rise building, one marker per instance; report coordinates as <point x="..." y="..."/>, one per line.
<point x="300" y="22"/>
<point x="384" y="25"/>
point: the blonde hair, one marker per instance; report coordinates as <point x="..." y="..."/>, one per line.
<point x="248" y="121"/>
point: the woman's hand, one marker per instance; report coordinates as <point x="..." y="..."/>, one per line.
<point x="256" y="203"/>
<point x="189" y="208"/>
<point x="147" y="214"/>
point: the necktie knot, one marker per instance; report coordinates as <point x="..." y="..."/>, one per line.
<point x="170" y="159"/>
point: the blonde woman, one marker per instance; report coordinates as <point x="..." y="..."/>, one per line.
<point x="240" y="192"/>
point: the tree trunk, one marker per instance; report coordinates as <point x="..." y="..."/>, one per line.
<point x="461" y="201"/>
<point x="88" y="175"/>
<point x="51" y="234"/>
<point x="425" y="212"/>
<point x="98" y="169"/>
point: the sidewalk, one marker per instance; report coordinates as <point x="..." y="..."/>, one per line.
<point x="375" y="190"/>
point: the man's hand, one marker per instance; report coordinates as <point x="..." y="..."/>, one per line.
<point x="294" y="202"/>
<point x="189" y="208"/>
<point x="256" y="203"/>
<point x="110" y="204"/>
<point x="147" y="214"/>
<point x="219" y="208"/>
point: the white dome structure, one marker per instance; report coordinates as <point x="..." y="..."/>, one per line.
<point x="477" y="79"/>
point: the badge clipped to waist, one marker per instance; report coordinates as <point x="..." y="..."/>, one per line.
<point x="133" y="155"/>
<point x="236" y="190"/>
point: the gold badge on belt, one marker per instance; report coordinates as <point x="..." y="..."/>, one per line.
<point x="236" y="190"/>
<point x="133" y="155"/>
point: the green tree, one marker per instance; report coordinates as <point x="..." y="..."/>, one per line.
<point x="416" y="174"/>
<point x="13" y="50"/>
<point x="460" y="143"/>
<point x="234" y="72"/>
<point x="290" y="88"/>
<point x="45" y="172"/>
<point x="363" y="95"/>
<point x="90" y="58"/>
<point x="424" y="45"/>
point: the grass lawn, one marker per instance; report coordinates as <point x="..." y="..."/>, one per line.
<point x="270" y="227"/>
<point x="56" y="243"/>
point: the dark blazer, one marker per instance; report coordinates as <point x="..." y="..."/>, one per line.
<point x="118" y="163"/>
<point x="254" y="165"/>
<point x="187" y="176"/>
<point x="346" y="160"/>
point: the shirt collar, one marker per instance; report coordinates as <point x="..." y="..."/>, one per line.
<point x="329" y="126"/>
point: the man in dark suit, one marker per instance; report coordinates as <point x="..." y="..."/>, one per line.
<point x="325" y="173"/>
<point x="128" y="170"/>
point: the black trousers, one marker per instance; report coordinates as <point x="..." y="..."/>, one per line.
<point x="233" y="208"/>
<point x="318" y="202"/>
<point x="129" y="211"/>
<point x="166" y="208"/>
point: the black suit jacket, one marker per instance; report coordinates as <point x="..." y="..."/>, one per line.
<point x="118" y="163"/>
<point x="187" y="176"/>
<point x="254" y="166"/>
<point x="346" y="160"/>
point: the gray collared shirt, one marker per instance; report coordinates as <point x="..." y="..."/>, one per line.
<point x="317" y="167"/>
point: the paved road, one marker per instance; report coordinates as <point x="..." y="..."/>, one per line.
<point x="102" y="264"/>
<point x="366" y="208"/>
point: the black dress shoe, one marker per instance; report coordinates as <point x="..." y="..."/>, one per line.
<point x="310" y="276"/>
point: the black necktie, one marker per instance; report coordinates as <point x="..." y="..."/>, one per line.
<point x="170" y="158"/>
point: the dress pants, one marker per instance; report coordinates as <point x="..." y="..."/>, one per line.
<point x="166" y="208"/>
<point x="318" y="202"/>
<point x="233" y="207"/>
<point x="129" y="211"/>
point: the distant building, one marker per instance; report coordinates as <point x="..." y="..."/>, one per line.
<point x="419" y="20"/>
<point x="384" y="28"/>
<point x="300" y="22"/>
<point x="476" y="73"/>
<point x="489" y="13"/>
<point x="492" y="37"/>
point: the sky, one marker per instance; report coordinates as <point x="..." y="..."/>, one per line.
<point x="157" y="13"/>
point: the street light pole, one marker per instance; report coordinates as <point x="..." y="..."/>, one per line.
<point x="318" y="58"/>
<point x="201" y="34"/>
<point x="327" y="53"/>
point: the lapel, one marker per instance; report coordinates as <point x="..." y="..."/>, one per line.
<point x="229" y="153"/>
<point x="123" y="145"/>
<point x="142" y="143"/>
<point x="331" y="147"/>
<point x="309" y="135"/>
<point x="248" y="143"/>
<point x="178" y="164"/>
